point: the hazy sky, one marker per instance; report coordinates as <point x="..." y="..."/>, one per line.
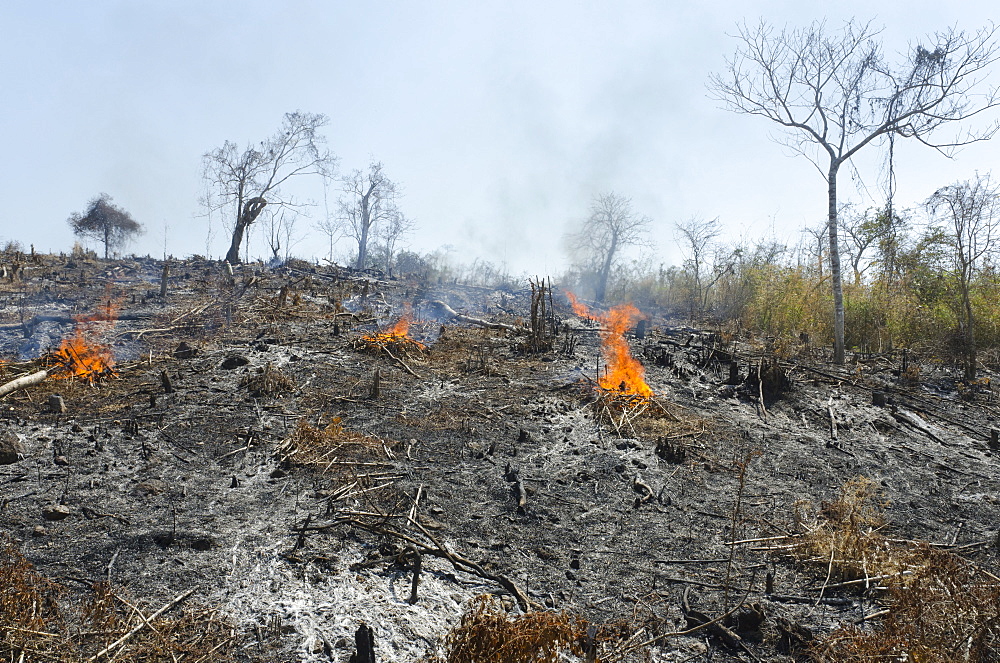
<point x="501" y="119"/>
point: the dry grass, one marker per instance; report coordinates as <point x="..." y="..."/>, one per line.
<point x="392" y="344"/>
<point x="31" y="622"/>
<point x="844" y="535"/>
<point x="39" y="621"/>
<point x="487" y="634"/>
<point x="947" y="611"/>
<point x="939" y="608"/>
<point x="633" y="415"/>
<point x="267" y="381"/>
<point x="328" y="446"/>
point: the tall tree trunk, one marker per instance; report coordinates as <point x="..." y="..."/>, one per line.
<point x="835" y="276"/>
<point x="248" y="214"/>
<point x="601" y="291"/>
<point x="363" y="246"/>
<point x="233" y="254"/>
<point x="970" y="335"/>
<point x="107" y="240"/>
<point x="366" y="224"/>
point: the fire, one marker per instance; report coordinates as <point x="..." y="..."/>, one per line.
<point x="395" y="337"/>
<point x="624" y="373"/>
<point x="578" y="307"/>
<point x="81" y="357"/>
<point x="402" y="326"/>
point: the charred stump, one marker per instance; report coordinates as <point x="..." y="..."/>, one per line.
<point x="364" y="645"/>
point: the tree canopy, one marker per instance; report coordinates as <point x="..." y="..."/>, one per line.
<point x="107" y="223"/>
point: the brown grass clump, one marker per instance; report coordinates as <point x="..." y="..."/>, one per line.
<point x="309" y="445"/>
<point x="267" y="381"/>
<point x="39" y="621"/>
<point x="844" y="536"/>
<point x="29" y="608"/>
<point x="947" y="611"/>
<point x="487" y="634"/>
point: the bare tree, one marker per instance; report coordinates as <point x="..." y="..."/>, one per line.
<point x="814" y="248"/>
<point x="696" y="237"/>
<point x="834" y="93"/>
<point x="861" y="233"/>
<point x="279" y="230"/>
<point x="106" y="222"/>
<point x="247" y="179"/>
<point x="368" y="201"/>
<point x="390" y="234"/>
<point x="597" y="244"/>
<point x="272" y="231"/>
<point x="873" y="240"/>
<point x="970" y="215"/>
<point x="333" y="229"/>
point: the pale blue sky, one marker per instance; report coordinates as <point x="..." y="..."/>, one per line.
<point x="501" y="119"/>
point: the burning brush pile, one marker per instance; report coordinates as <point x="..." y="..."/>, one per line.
<point x="394" y="341"/>
<point x="80" y="357"/>
<point x="621" y="382"/>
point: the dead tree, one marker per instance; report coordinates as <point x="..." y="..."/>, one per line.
<point x="597" y="244"/>
<point x="246" y="180"/>
<point x="368" y="202"/>
<point x="835" y="94"/>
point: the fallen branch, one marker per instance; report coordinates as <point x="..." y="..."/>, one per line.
<point x="460" y="563"/>
<point x="400" y="362"/>
<point x="446" y="311"/>
<point x="23" y="381"/>
<point x="620" y="654"/>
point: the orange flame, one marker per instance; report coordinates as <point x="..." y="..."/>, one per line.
<point x="578" y="307"/>
<point x="624" y="372"/>
<point x="402" y="326"/>
<point x="397" y="334"/>
<point x="79" y="358"/>
<point x="82" y="358"/>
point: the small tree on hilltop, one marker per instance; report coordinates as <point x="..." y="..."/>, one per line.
<point x="105" y="222"/>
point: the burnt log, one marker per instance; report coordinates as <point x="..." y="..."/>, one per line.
<point x="168" y="386"/>
<point x="734" y="373"/>
<point x="444" y="311"/>
<point x="22" y="382"/>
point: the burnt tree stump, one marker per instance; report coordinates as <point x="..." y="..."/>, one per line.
<point x="364" y="645"/>
<point x="734" y="373"/>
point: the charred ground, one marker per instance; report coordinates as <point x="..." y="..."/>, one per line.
<point x="255" y="451"/>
